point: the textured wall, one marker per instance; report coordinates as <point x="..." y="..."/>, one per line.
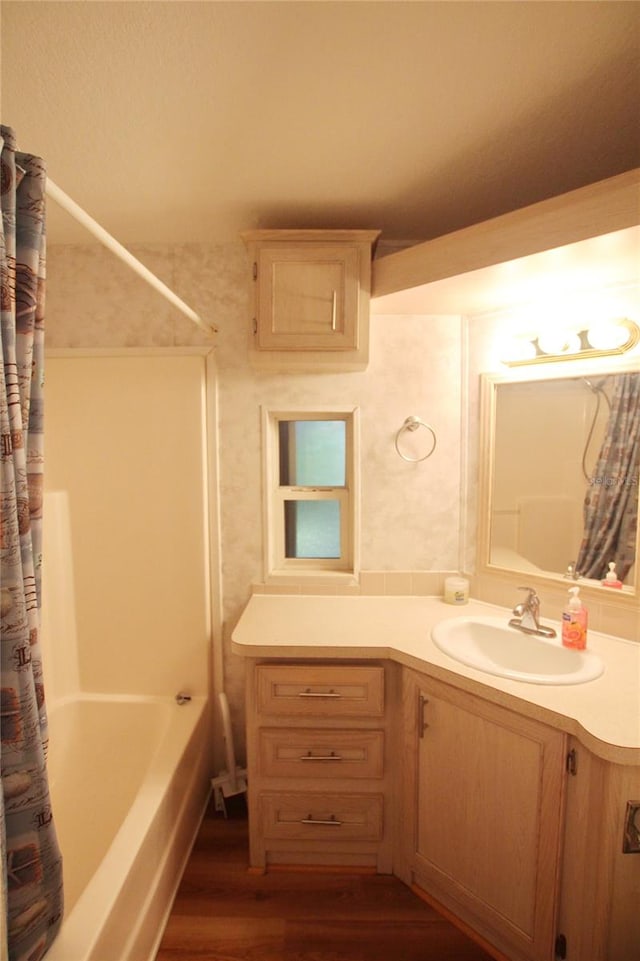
<point x="411" y="515"/>
<point x="410" y="512"/>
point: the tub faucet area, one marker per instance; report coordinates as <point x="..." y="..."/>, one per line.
<point x="527" y="616"/>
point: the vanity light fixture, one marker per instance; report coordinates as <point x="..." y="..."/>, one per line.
<point x="599" y="340"/>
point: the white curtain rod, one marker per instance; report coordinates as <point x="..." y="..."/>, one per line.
<point x="105" y="238"/>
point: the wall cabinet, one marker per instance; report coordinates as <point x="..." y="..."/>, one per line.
<point x="310" y="298"/>
<point x="317" y="741"/>
<point x="483" y="814"/>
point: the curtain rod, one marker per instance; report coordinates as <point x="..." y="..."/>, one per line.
<point x="139" y="268"/>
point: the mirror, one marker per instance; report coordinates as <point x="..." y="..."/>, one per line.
<point x="556" y="501"/>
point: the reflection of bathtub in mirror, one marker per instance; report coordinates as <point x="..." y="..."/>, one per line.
<point x="509" y="558"/>
<point x="541" y="530"/>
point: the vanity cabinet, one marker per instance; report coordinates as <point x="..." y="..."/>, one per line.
<point x="483" y="814"/>
<point x="513" y="808"/>
<point x="318" y="774"/>
<point x="310" y="298"/>
<point x="601" y="865"/>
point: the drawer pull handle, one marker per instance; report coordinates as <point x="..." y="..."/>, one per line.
<point x="320" y="757"/>
<point x="310" y="693"/>
<point x="329" y="822"/>
<point x="422" y="723"/>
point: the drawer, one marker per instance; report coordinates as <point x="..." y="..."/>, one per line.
<point x="306" y="690"/>
<point x="321" y="817"/>
<point x="298" y="752"/>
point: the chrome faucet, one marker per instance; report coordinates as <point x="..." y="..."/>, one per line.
<point x="526" y="616"/>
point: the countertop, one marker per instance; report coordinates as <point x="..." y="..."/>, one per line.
<point x="604" y="714"/>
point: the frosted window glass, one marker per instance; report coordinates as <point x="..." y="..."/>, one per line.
<point x="312" y="528"/>
<point x="312" y="453"/>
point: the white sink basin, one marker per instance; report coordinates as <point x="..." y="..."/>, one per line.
<point x="490" y="645"/>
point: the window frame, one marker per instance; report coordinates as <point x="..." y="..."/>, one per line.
<point x="278" y="567"/>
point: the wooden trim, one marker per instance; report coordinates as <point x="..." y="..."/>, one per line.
<point x="600" y="208"/>
<point x="459" y="924"/>
<point x="276" y="235"/>
<point x="275" y="561"/>
<point x="323" y="869"/>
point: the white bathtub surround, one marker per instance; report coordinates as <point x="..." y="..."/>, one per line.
<point x="127" y="626"/>
<point x="59" y="632"/>
<point x="134" y="466"/>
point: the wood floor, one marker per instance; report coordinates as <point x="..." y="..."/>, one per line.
<point x="224" y="913"/>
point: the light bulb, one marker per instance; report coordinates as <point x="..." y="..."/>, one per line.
<point x="558" y="342"/>
<point x="607" y="335"/>
<point x="519" y="349"/>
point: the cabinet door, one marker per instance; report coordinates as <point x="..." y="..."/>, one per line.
<point x="308" y="297"/>
<point x="599" y="917"/>
<point x="489" y="797"/>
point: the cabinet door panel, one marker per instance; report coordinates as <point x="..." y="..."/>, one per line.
<point x="305" y="298"/>
<point x="489" y="796"/>
<point x="468" y="777"/>
<point x="308" y="298"/>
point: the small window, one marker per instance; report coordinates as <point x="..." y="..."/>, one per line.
<point x="310" y="491"/>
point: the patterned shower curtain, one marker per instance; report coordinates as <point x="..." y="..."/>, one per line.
<point x="611" y="502"/>
<point x="32" y="865"/>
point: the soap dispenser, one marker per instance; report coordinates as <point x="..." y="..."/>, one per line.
<point x="611" y="578"/>
<point x="574" y="622"/>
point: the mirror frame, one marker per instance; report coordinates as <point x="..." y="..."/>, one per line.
<point x="489" y="384"/>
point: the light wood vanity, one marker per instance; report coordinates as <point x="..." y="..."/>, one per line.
<point x="504" y="803"/>
<point x="320" y="737"/>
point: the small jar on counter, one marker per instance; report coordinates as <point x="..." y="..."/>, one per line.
<point x="456" y="590"/>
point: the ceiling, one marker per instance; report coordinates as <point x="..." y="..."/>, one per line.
<point x="190" y="121"/>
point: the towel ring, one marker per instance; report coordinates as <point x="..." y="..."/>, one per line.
<point x="413" y="423"/>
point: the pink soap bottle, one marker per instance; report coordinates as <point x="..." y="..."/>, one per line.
<point x="574" y="622"/>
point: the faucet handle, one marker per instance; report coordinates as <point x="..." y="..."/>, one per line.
<point x="531" y="590"/>
<point x="532" y="595"/>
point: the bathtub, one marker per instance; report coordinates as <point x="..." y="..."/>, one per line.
<point x="129" y="780"/>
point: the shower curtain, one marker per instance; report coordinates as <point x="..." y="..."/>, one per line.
<point x="611" y="501"/>
<point x="32" y="865"/>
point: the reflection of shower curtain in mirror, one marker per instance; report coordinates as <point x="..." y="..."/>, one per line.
<point x="611" y="501"/>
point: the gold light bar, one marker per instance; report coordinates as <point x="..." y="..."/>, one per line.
<point x="584" y="349"/>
